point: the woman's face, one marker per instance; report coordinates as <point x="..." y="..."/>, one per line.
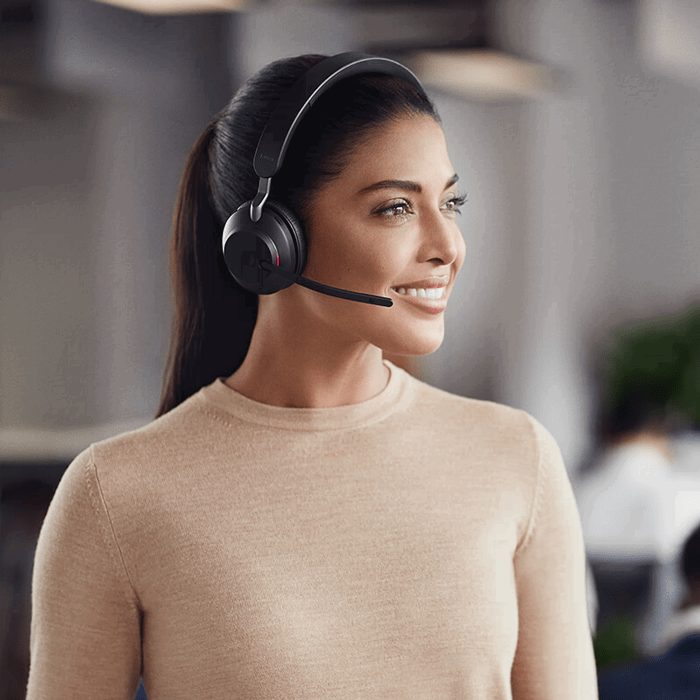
<point x="375" y="239"/>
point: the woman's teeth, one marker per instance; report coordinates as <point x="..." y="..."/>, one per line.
<point x="431" y="293"/>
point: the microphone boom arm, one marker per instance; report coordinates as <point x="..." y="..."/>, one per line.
<point x="326" y="289"/>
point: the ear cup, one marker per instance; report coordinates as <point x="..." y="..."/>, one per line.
<point x="277" y="237"/>
<point x="296" y="230"/>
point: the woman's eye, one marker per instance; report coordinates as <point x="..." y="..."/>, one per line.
<point x="393" y="208"/>
<point x="457" y="202"/>
<point x="389" y="212"/>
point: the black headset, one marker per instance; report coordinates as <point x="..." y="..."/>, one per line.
<point x="264" y="247"/>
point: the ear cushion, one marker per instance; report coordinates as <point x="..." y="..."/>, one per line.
<point x="296" y="229"/>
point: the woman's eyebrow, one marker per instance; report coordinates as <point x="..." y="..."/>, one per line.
<point x="402" y="185"/>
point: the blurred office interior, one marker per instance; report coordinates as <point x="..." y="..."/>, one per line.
<point x="574" y="127"/>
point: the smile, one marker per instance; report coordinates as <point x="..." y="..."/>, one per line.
<point x="423" y="292"/>
<point x="423" y="302"/>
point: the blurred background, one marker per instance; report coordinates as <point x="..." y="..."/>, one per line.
<point x="575" y="127"/>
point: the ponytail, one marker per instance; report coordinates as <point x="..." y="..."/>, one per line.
<point x="213" y="317"/>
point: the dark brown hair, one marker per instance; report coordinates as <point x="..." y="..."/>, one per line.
<point x="214" y="317"/>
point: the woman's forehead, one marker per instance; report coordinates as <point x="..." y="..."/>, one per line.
<point x="398" y="151"/>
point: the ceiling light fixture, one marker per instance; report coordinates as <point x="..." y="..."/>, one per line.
<point x="174" y="7"/>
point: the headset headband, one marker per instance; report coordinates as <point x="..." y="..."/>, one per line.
<point x="297" y="100"/>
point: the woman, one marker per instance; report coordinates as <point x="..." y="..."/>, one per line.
<point x="304" y="518"/>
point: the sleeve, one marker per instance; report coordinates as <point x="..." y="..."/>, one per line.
<point x="554" y="656"/>
<point x="85" y="630"/>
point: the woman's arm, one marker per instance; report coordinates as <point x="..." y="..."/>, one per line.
<point x="85" y="635"/>
<point x="554" y="657"/>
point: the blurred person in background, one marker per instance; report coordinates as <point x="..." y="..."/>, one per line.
<point x="623" y="497"/>
<point x="674" y="673"/>
<point x="625" y="500"/>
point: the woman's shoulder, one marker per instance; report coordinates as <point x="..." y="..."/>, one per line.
<point x="486" y="429"/>
<point x="459" y="407"/>
<point x="133" y="454"/>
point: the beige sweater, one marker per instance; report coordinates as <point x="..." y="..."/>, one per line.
<point x="419" y="544"/>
